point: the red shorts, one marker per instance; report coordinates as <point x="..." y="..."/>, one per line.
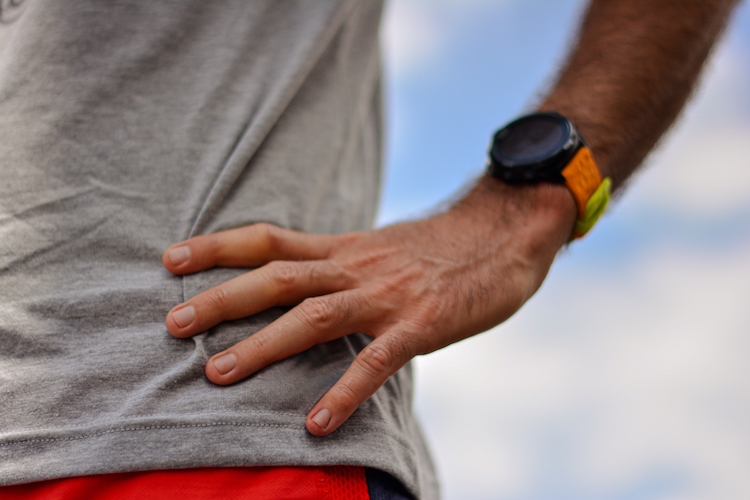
<point x="256" y="483"/>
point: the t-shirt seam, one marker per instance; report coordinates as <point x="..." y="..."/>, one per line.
<point x="8" y="444"/>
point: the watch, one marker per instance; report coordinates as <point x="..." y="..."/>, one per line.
<point x="547" y="147"/>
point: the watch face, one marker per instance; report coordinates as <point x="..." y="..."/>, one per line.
<point x="532" y="139"/>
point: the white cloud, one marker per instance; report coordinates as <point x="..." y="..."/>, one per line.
<point x="704" y="166"/>
<point x="414" y="33"/>
<point x="411" y="37"/>
<point x="602" y="383"/>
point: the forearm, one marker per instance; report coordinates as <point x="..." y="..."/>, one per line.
<point x="626" y="79"/>
<point x="633" y="66"/>
<point x="630" y="72"/>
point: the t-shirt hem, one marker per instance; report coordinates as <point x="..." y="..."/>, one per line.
<point x="214" y="440"/>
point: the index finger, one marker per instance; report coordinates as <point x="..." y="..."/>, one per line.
<point x="249" y="246"/>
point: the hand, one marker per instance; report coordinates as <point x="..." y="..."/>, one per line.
<point x="413" y="287"/>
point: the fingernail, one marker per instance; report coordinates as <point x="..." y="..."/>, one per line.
<point x="183" y="317"/>
<point x="322" y="418"/>
<point x="225" y="363"/>
<point x="178" y="255"/>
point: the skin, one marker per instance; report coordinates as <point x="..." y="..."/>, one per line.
<point x="419" y="286"/>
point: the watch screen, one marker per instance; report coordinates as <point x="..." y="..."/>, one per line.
<point x="532" y="139"/>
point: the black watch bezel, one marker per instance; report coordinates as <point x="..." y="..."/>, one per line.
<point x="544" y="167"/>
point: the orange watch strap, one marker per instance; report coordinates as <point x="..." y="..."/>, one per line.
<point x="582" y="178"/>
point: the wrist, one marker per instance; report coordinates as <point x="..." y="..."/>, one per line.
<point x="528" y="222"/>
<point x="540" y="217"/>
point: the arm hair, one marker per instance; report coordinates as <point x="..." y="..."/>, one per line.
<point x="631" y="71"/>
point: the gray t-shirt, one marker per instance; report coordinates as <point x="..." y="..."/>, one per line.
<point x="128" y="126"/>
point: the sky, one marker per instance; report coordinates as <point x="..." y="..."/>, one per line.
<point x="626" y="377"/>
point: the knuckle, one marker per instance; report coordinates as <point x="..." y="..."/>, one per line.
<point x="428" y="310"/>
<point x="346" y="395"/>
<point x="374" y="360"/>
<point x="259" y="347"/>
<point x="219" y="298"/>
<point x="318" y="312"/>
<point x="284" y="274"/>
<point x="271" y="235"/>
<point x="343" y="277"/>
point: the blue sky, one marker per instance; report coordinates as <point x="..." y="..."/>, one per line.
<point x="626" y="376"/>
<point x="463" y="77"/>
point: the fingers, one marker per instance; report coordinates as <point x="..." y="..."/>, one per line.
<point x="277" y="283"/>
<point x="380" y="359"/>
<point x="314" y="321"/>
<point x="248" y="246"/>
